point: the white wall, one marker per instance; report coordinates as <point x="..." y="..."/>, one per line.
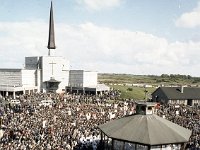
<point x="90" y="79"/>
<point x="28" y="77"/>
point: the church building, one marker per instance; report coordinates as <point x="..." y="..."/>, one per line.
<point x="49" y="73"/>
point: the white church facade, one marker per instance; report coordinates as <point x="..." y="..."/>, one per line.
<point x="49" y="73"/>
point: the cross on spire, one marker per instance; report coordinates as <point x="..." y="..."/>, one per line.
<point x="52" y="63"/>
<point x="51" y="40"/>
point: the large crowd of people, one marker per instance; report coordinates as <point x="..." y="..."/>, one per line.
<point x="186" y="116"/>
<point x="71" y="121"/>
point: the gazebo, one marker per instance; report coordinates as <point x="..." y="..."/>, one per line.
<point x="144" y="130"/>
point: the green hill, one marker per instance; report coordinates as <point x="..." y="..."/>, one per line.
<point x="133" y="86"/>
<point x="135" y="93"/>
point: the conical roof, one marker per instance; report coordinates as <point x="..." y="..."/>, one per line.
<point x="53" y="80"/>
<point x="146" y="130"/>
<point x="51" y="40"/>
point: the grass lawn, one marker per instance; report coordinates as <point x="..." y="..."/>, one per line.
<point x="137" y="93"/>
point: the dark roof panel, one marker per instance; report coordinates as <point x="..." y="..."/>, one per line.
<point x="175" y="93"/>
<point x="146" y="130"/>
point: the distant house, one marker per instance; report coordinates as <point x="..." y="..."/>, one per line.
<point x="179" y="95"/>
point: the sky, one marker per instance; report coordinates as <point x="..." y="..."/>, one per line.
<point x="142" y="37"/>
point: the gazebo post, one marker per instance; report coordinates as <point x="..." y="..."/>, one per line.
<point x="107" y="142"/>
<point x="135" y="146"/>
<point x="182" y="146"/>
<point x="123" y="145"/>
<point x="149" y="147"/>
<point x="112" y="146"/>
<point x="104" y="141"/>
<point x="101" y="142"/>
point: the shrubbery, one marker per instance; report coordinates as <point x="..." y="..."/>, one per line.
<point x="130" y="89"/>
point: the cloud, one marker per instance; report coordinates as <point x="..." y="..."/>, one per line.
<point x="91" y="47"/>
<point x="20" y="39"/>
<point x="99" y="4"/>
<point x="189" y="19"/>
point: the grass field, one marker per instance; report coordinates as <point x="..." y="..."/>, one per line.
<point x="137" y="93"/>
<point x="148" y="79"/>
<point x="125" y="78"/>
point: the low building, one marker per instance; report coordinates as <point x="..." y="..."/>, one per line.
<point x="177" y="95"/>
<point x="81" y="81"/>
<point x="17" y="81"/>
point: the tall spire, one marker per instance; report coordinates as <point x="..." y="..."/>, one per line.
<point x="51" y="40"/>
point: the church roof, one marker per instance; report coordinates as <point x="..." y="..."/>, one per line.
<point x="11" y="69"/>
<point x="146" y="130"/>
<point x="51" y="40"/>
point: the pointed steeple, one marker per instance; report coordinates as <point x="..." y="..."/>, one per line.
<point x="51" y="40"/>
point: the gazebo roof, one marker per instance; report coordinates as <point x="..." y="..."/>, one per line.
<point x="52" y="80"/>
<point x="146" y="130"/>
